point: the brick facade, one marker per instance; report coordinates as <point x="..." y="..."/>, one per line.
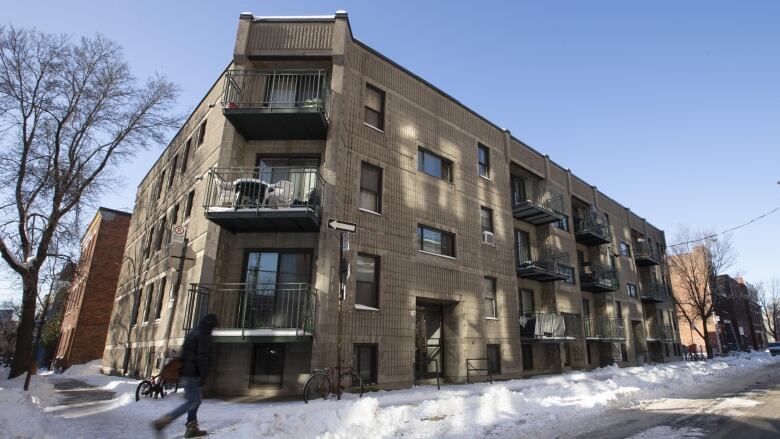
<point x="91" y="299"/>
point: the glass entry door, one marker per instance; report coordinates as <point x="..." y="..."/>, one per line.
<point x="276" y="289"/>
<point x="428" y="341"/>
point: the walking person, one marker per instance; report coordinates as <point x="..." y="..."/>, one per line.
<point x="196" y="356"/>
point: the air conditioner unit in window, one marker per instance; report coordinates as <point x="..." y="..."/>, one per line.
<point x="488" y="237"/>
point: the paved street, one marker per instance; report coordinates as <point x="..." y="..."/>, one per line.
<point x="743" y="407"/>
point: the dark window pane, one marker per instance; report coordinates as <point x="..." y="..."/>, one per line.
<point x="268" y="364"/>
<point x="494" y="358"/>
<point x="486" y="219"/>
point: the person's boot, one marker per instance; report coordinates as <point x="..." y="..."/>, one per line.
<point x="192" y="430"/>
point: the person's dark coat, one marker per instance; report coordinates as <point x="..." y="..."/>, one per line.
<point x="196" y="350"/>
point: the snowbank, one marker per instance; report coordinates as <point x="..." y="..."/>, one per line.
<point x="516" y="408"/>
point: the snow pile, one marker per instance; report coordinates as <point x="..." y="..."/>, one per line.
<point x="534" y="407"/>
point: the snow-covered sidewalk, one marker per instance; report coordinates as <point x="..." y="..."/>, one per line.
<point x="535" y="407"/>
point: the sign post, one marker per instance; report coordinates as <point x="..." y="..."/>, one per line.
<point x="344" y="228"/>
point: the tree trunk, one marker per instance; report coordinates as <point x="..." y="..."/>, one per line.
<point x="707" y="346"/>
<point x="23" y="350"/>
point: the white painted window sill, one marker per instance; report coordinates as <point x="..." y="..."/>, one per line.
<point x="369" y="211"/>
<point x="373" y="128"/>
<point x="360" y="307"/>
<point x="491" y="318"/>
<point x="436" y="254"/>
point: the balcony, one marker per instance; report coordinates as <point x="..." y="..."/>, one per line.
<point x="541" y="263"/>
<point x="268" y="199"/>
<point x="598" y="278"/>
<point x="652" y="291"/>
<point x="271" y="105"/>
<point x="659" y="332"/>
<point x="604" y="329"/>
<point x="645" y="254"/>
<point x="550" y="327"/>
<point x="535" y="203"/>
<point x="592" y="228"/>
<point x="254" y="311"/>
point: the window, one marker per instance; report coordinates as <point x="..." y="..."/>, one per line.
<point x="434" y="165"/>
<point x="364" y="362"/>
<point x="625" y="249"/>
<point x="526" y="301"/>
<point x="370" y="188"/>
<point x="631" y="290"/>
<point x="483" y="158"/>
<point x="374" y="114"/>
<point x="563" y="224"/>
<point x="619" y="312"/>
<point x="188" y="204"/>
<point x="173" y="170"/>
<point x="160" y="295"/>
<point x="136" y="306"/>
<point x="201" y="132"/>
<point x="148" y="301"/>
<point x="185" y="156"/>
<point x="267" y="364"/>
<point x="160" y="185"/>
<point x="175" y="214"/>
<point x="494" y="359"/>
<point x="160" y="235"/>
<point x="367" y="280"/>
<point x="486" y="220"/>
<point x="568" y="271"/>
<point x="623" y="352"/>
<point x="435" y="241"/>
<point x="489" y="292"/>
<point x="148" y="249"/>
<point x="528" y="356"/>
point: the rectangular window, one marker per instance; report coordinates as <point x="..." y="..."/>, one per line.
<point x="625" y="249"/>
<point x="364" y="362"/>
<point x="150" y="242"/>
<point x="485" y="220"/>
<point x="201" y="133"/>
<point x="188" y="205"/>
<point x="160" y="296"/>
<point x="160" y="235"/>
<point x="435" y="241"/>
<point x="483" y="158"/>
<point x="267" y="364"/>
<point x="631" y="290"/>
<point x="370" y="188"/>
<point x="367" y="280"/>
<point x="173" y="170"/>
<point x="619" y="311"/>
<point x="568" y="271"/>
<point x="526" y="301"/>
<point x="175" y="215"/>
<point x="563" y="224"/>
<point x="494" y="359"/>
<point x="434" y="165"/>
<point x="374" y="113"/>
<point x="185" y="156"/>
<point x="136" y="306"/>
<point x="489" y="293"/>
<point x="160" y="183"/>
<point x="148" y="301"/>
<point x="528" y="356"/>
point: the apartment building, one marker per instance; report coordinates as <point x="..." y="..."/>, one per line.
<point x="474" y="253"/>
<point x="86" y="317"/>
<point x="740" y="324"/>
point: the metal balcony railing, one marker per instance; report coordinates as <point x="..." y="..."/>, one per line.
<point x="280" y="306"/>
<point x="276" y="90"/>
<point x="592" y="227"/>
<point x="534" y="202"/>
<point x="278" y="187"/>
<point x="598" y="277"/>
<point x="548" y="326"/>
<point x="541" y="262"/>
<point x="604" y="328"/>
<point x="645" y="253"/>
<point x="659" y="332"/>
<point x="652" y="291"/>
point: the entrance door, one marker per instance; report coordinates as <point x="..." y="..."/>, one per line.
<point x="640" y="341"/>
<point x="428" y="344"/>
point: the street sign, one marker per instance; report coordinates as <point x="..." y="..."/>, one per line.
<point x="177" y="234"/>
<point x="343" y="226"/>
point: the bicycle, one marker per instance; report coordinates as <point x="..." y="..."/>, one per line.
<point x="322" y="384"/>
<point x="155" y="388"/>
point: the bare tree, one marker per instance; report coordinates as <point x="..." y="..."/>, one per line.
<point x="769" y="300"/>
<point x="70" y="113"/>
<point x="694" y="260"/>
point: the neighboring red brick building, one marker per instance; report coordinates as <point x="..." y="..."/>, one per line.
<point x="88" y="312"/>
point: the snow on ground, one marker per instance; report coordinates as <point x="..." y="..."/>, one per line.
<point x="534" y="407"/>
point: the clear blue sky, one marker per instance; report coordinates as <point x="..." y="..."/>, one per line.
<point x="672" y="108"/>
